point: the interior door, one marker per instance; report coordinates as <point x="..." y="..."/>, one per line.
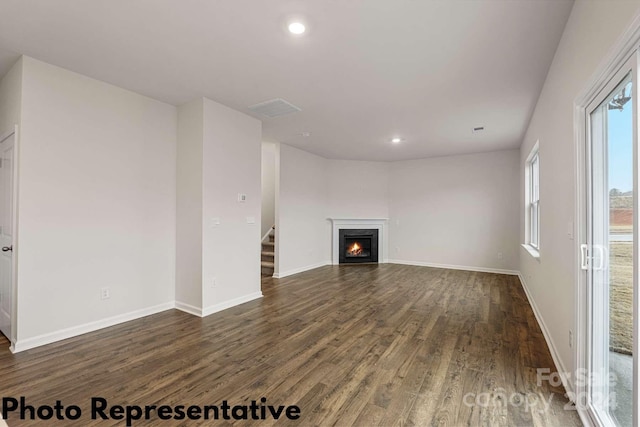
<point x="610" y="254"/>
<point x="6" y="233"/>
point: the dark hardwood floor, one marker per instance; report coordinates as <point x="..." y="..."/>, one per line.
<point x="352" y="345"/>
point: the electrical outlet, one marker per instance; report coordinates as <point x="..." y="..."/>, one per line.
<point x="214" y="282"/>
<point x="105" y="293"/>
<point x="570" y="338"/>
<point x="397" y="249"/>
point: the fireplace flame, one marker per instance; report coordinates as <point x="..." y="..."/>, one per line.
<point x="355" y="249"/>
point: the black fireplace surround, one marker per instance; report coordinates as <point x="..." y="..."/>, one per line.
<point x="358" y="245"/>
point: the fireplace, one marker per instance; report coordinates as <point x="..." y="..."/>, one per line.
<point x="379" y="225"/>
<point x="358" y="245"/>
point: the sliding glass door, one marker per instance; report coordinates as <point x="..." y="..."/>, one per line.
<point x="609" y="256"/>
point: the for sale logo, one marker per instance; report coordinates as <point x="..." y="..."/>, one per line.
<point x="597" y="387"/>
<point x="600" y="390"/>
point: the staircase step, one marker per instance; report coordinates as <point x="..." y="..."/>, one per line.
<point x="268" y="255"/>
<point x="267" y="268"/>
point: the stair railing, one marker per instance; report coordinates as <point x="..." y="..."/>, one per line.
<point x="266" y="236"/>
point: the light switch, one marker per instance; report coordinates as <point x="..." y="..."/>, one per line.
<point x="251" y="220"/>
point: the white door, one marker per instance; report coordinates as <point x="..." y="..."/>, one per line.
<point x="610" y="252"/>
<point x="6" y="233"/>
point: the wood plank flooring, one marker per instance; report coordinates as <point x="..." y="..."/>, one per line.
<point x="367" y="345"/>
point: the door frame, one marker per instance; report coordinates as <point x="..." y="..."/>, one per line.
<point x="626" y="48"/>
<point x="14" y="232"/>
<point x="600" y="357"/>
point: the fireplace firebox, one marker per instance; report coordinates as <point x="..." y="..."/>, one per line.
<point x="358" y="246"/>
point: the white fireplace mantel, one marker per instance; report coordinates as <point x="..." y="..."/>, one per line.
<point x="380" y="224"/>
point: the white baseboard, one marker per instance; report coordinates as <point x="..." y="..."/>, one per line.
<point x="188" y="308"/>
<point x="300" y="270"/>
<point x="231" y="303"/>
<point x="455" y="267"/>
<point x="63" y="334"/>
<point x="560" y="368"/>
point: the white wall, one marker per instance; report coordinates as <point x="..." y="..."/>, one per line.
<point x="11" y="98"/>
<point x="231" y="165"/>
<point x="591" y="30"/>
<point x="312" y="189"/>
<point x="456" y="211"/>
<point x="357" y="189"/>
<point x="268" y="187"/>
<point x="189" y="205"/>
<point x="218" y="253"/>
<point x="97" y="202"/>
<point x="303" y="232"/>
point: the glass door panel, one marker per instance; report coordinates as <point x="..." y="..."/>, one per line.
<point x="611" y="257"/>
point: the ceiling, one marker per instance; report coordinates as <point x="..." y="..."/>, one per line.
<point x="366" y="70"/>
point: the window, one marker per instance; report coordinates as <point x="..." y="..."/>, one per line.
<point x="533" y="202"/>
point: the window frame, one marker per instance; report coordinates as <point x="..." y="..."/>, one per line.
<point x="532" y="202"/>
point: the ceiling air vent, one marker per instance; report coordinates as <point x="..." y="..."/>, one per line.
<point x="274" y="108"/>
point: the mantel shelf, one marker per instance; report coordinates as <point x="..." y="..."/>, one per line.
<point x="358" y="219"/>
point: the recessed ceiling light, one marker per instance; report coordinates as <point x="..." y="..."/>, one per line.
<point x="305" y="134"/>
<point x="396" y="140"/>
<point x="297" y="28"/>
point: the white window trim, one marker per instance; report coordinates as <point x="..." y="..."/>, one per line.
<point x="533" y="250"/>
